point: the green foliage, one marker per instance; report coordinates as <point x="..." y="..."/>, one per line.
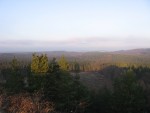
<point x="76" y="67"/>
<point x="35" y="82"/>
<point x="14" y="64"/>
<point x="43" y="64"/>
<point x="15" y="82"/>
<point x="63" y="63"/>
<point x="35" y="63"/>
<point x="128" y="95"/>
<point x="100" y="102"/>
<point x="66" y="92"/>
<point x="39" y="64"/>
<point x="57" y="85"/>
<point x="54" y="67"/>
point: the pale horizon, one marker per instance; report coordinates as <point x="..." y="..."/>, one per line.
<point x="105" y="25"/>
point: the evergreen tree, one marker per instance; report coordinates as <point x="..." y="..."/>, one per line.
<point x="128" y="95"/>
<point x="35" y="63"/>
<point x="54" y="67"/>
<point x="14" y="83"/>
<point x="39" y="64"/>
<point x="63" y="64"/>
<point x="43" y="65"/>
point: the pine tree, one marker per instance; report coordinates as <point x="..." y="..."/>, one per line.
<point x="14" y="83"/>
<point x="39" y="64"/>
<point x="128" y="94"/>
<point x="63" y="63"/>
<point x="35" y="63"/>
<point x="54" y="67"/>
<point x="44" y="64"/>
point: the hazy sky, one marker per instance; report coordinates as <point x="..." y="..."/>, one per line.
<point x="74" y="25"/>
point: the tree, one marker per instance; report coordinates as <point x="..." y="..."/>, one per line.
<point x="67" y="94"/>
<point x="14" y="64"/>
<point x="54" y="67"/>
<point x="39" y="64"/>
<point x="43" y="65"/>
<point x="76" y="67"/>
<point x="63" y="63"/>
<point x="128" y="95"/>
<point x="101" y="101"/>
<point x="35" y="63"/>
<point x="77" y="70"/>
<point x="14" y="83"/>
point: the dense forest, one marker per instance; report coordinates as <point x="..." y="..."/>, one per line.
<point x="63" y="82"/>
<point x="89" y="61"/>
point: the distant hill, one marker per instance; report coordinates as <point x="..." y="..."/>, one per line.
<point x="121" y="58"/>
<point x="145" y="51"/>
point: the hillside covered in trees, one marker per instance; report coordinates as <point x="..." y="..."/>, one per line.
<point x="88" y="61"/>
<point x="63" y="82"/>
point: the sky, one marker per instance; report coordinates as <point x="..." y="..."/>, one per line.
<point x="74" y="25"/>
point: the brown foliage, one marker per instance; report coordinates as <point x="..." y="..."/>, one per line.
<point x="24" y="103"/>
